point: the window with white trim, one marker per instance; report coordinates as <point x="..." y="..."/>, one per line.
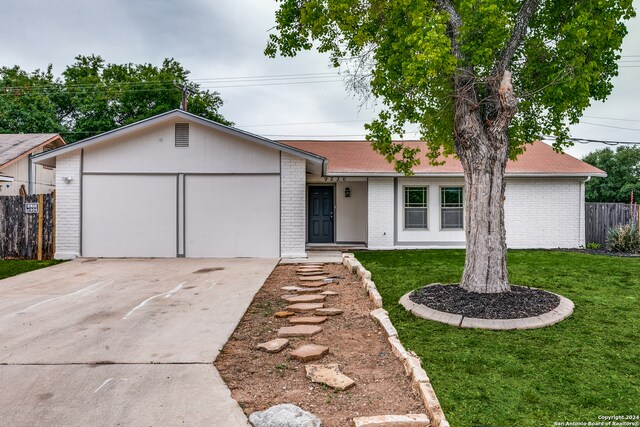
<point x="416" y="207"/>
<point x="451" y="208"/>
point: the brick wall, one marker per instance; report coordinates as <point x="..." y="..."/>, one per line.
<point x="544" y="213"/>
<point x="380" y="213"/>
<point x="68" y="206"/>
<point x="292" y="206"/>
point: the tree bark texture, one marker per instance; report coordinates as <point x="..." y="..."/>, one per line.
<point x="482" y="144"/>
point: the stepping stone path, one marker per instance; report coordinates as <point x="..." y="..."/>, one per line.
<point x="328" y="311"/>
<point x="304" y="298"/>
<point x="274" y="346"/>
<point x="299" y="331"/>
<point x="281" y="314"/>
<point x="313" y="284"/>
<point x="329" y="375"/>
<point x="310" y="320"/>
<point x="329" y="293"/>
<point x="290" y="288"/>
<point x="312" y="278"/>
<point x="309" y="352"/>
<point x="302" y="307"/>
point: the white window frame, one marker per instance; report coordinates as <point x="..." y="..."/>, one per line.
<point x="462" y="206"/>
<point x="405" y="188"/>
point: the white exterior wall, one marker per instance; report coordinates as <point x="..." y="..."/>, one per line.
<point x="153" y="150"/>
<point x="292" y="206"/>
<point x="68" y="206"/>
<point x="351" y="212"/>
<point x="380" y="208"/>
<point x="43" y="178"/>
<point x="544" y="213"/>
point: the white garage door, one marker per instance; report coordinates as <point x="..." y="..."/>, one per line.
<point x="129" y="216"/>
<point x="232" y="216"/>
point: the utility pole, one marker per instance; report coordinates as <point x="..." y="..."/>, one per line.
<point x="184" y="88"/>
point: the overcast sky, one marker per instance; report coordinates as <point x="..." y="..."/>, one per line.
<point x="222" y="40"/>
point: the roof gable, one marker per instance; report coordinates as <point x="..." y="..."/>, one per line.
<point x="359" y="158"/>
<point x="14" y="146"/>
<point x="171" y="116"/>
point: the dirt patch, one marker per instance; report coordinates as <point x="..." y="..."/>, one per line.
<point x="259" y="380"/>
<point x="520" y="303"/>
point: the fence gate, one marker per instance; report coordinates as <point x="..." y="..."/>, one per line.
<point x="27" y="226"/>
<point x="600" y="217"/>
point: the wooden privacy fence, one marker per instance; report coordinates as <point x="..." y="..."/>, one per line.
<point x="601" y="217"/>
<point x="27" y="226"/>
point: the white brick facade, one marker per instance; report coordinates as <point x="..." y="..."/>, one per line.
<point x="68" y="206"/>
<point x="544" y="213"/>
<point x="380" y="213"/>
<point x="292" y="206"/>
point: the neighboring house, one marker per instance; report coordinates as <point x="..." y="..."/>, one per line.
<point x="18" y="175"/>
<point x="178" y="185"/>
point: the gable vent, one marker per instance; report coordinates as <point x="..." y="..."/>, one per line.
<point x="182" y="135"/>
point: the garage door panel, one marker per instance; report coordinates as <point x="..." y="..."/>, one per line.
<point x="232" y="215"/>
<point x="129" y="215"/>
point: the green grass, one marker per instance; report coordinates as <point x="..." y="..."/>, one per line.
<point x="12" y="267"/>
<point x="586" y="366"/>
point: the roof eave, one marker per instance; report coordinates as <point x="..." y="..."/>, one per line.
<point x="55" y="139"/>
<point x="460" y="174"/>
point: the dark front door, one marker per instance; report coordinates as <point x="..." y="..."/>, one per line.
<point x="321" y="214"/>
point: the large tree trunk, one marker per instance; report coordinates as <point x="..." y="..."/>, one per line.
<point x="485" y="269"/>
<point x="482" y="144"/>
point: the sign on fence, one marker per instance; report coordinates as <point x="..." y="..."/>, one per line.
<point x="27" y="226"/>
<point x="31" y="208"/>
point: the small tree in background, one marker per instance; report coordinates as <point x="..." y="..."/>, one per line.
<point x="623" y="175"/>
<point x="481" y="78"/>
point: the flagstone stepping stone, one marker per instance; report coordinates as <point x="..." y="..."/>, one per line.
<point x="329" y="293"/>
<point x="284" y="297"/>
<point x="312" y="278"/>
<point x="273" y="346"/>
<point x="309" y="352"/>
<point x="290" y="288"/>
<point x="285" y="415"/>
<point x="304" y="298"/>
<point x="313" y="284"/>
<point x="329" y="311"/>
<point x="303" y="291"/>
<point x="409" y="420"/>
<point x="302" y="307"/>
<point x="329" y="375"/>
<point x="307" y="269"/>
<point x="310" y="273"/>
<point x="281" y="314"/>
<point x="299" y="331"/>
<point x="307" y="320"/>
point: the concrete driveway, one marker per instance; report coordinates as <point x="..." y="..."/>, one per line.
<point x="122" y="342"/>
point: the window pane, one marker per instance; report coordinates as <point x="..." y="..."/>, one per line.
<point x="451" y="218"/>
<point x="451" y="197"/>
<point x="415" y="196"/>
<point x="415" y="218"/>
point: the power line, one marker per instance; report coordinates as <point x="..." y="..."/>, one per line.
<point x="612" y="118"/>
<point x="589" y="141"/>
<point x="609" y="126"/>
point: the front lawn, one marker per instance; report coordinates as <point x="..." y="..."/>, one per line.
<point x="582" y="368"/>
<point x="12" y="267"/>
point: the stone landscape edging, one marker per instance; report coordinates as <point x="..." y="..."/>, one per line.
<point x="558" y="314"/>
<point x="411" y="362"/>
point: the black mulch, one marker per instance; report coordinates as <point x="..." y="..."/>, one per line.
<point x="519" y="303"/>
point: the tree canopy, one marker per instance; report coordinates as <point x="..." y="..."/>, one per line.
<point x="561" y="55"/>
<point x="623" y="175"/>
<point x="92" y="96"/>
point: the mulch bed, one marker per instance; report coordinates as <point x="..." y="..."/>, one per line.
<point x="521" y="302"/>
<point x="259" y="380"/>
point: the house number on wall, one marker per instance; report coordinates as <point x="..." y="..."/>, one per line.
<point x="31" y="208"/>
<point x="335" y="178"/>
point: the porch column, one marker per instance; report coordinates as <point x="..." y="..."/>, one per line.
<point x="293" y="173"/>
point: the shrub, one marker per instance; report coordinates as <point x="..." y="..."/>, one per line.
<point x="624" y="238"/>
<point x="594" y="245"/>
